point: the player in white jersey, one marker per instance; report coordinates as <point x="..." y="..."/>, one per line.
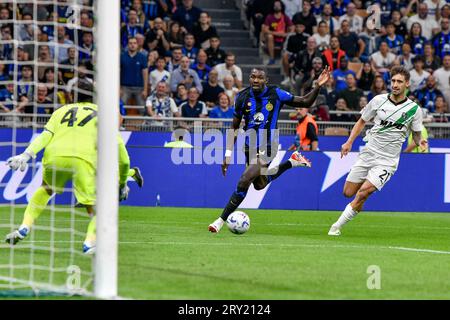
<point x="394" y="116"/>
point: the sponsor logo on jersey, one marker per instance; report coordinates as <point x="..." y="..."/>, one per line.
<point x="258" y="118"/>
<point x="388" y="124"/>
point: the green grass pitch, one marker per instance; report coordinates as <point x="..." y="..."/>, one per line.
<point x="167" y="253"/>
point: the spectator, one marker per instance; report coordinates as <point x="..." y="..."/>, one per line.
<point x="306" y="85"/>
<point x="442" y="76"/>
<point x="332" y="56"/>
<point x="175" y="60"/>
<point x="427" y="22"/>
<point x="201" y="67"/>
<point x="393" y="40"/>
<point x="433" y="6"/>
<point x="133" y="74"/>
<point x="382" y="60"/>
<point x="131" y="28"/>
<point x="136" y="5"/>
<point x="69" y="65"/>
<point x="295" y="42"/>
<point x="378" y="87"/>
<point x="332" y="23"/>
<point x="354" y="46"/>
<point x="187" y="15"/>
<point x="187" y="76"/>
<point x="418" y="75"/>
<point x="352" y="93"/>
<point x="431" y="62"/>
<point x="82" y="82"/>
<point x="215" y="54"/>
<point x="307" y="132"/>
<point x="59" y="47"/>
<point x="181" y="94"/>
<point x="44" y="56"/>
<point x="442" y="40"/>
<point x="338" y="7"/>
<point x="204" y="31"/>
<point x="229" y="68"/>
<point x="341" y="105"/>
<point x="211" y="89"/>
<point x="7" y="98"/>
<point x="229" y="88"/>
<point x="303" y="62"/>
<point x="440" y="109"/>
<point x="52" y="85"/>
<point x="25" y="87"/>
<point x="257" y="11"/>
<point x="151" y="60"/>
<point x="175" y="36"/>
<point x="6" y="49"/>
<point x="141" y="43"/>
<point x="193" y="108"/>
<point x="159" y="74"/>
<point x="224" y="110"/>
<point x="406" y="58"/>
<point x="156" y="38"/>
<point x="355" y="21"/>
<point x="317" y="9"/>
<point x="189" y="50"/>
<point x="427" y="95"/>
<point x="44" y="105"/>
<point x="306" y="18"/>
<point x="365" y="76"/>
<point x="322" y="36"/>
<point x="363" y="101"/>
<point x="400" y="26"/>
<point x="160" y="105"/>
<point x="415" y="38"/>
<point x="291" y="7"/>
<point x="275" y="29"/>
<point x="340" y="74"/>
<point x="329" y="93"/>
<point x="87" y="46"/>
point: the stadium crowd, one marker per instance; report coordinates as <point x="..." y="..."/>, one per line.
<point x="172" y="62"/>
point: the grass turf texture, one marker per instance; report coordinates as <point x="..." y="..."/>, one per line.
<point x="167" y="253"/>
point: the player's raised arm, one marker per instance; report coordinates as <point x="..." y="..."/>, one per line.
<point x="307" y="100"/>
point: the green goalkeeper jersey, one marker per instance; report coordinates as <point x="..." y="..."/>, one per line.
<point x="72" y="132"/>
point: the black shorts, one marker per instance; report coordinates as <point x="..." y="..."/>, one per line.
<point x="263" y="155"/>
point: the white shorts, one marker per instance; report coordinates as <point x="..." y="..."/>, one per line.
<point x="372" y="168"/>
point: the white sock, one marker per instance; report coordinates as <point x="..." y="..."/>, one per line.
<point x="347" y="215"/>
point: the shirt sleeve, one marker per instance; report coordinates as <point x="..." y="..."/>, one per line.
<point x="173" y="106"/>
<point x="369" y="112"/>
<point x="416" y="124"/>
<point x="204" y="109"/>
<point x="238" y="106"/>
<point x="284" y="96"/>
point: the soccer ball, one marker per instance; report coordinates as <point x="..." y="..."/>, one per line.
<point x="238" y="222"/>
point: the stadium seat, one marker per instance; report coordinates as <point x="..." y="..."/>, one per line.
<point x="354" y="66"/>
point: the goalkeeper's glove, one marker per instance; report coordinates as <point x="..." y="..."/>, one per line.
<point x="123" y="192"/>
<point x="20" y="161"/>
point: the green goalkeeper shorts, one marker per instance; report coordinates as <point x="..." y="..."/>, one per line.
<point x="60" y="170"/>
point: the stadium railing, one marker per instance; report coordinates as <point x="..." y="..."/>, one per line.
<point x="147" y="124"/>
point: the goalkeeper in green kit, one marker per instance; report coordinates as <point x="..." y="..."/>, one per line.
<point x="70" y="142"/>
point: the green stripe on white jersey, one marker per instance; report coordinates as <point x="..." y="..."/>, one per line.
<point x="392" y="124"/>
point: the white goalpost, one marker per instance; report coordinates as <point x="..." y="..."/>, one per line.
<point x="108" y="84"/>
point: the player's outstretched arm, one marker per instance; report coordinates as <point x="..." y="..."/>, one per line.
<point x="307" y="100"/>
<point x="20" y="161"/>
<point x="357" y="128"/>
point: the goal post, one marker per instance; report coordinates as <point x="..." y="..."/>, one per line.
<point x="108" y="85"/>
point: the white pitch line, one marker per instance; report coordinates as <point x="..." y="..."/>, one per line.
<point x="299" y="245"/>
<point x="420" y="250"/>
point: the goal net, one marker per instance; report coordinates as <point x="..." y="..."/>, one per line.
<point x="46" y="57"/>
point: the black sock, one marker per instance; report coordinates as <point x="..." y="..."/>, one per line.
<point x="274" y="173"/>
<point x="236" y="199"/>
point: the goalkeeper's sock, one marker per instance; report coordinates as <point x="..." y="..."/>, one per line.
<point x="274" y="173"/>
<point x="347" y="215"/>
<point x="131" y="172"/>
<point x="90" y="235"/>
<point x="37" y="204"/>
<point x="236" y="198"/>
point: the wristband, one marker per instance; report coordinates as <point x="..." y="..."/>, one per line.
<point x="228" y="153"/>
